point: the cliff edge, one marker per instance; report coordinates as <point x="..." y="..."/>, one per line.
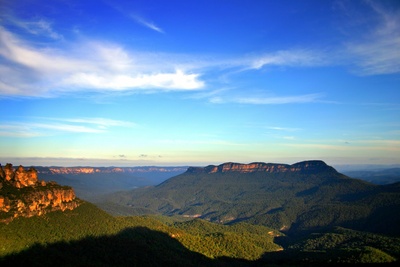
<point x="305" y="167"/>
<point x="23" y="195"/>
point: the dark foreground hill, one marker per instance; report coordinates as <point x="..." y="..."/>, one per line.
<point x="88" y="236"/>
<point x="303" y="197"/>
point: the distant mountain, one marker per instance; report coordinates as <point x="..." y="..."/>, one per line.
<point x="91" y="182"/>
<point x="377" y="176"/>
<point x="91" y="170"/>
<point x="43" y="224"/>
<point x="305" y="196"/>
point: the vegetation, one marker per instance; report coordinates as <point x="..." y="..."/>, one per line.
<point x="238" y="241"/>
<point x="89" y="236"/>
<point x="262" y="220"/>
<point x="339" y="245"/>
<point x="86" y="226"/>
<point x="292" y="202"/>
<point x="379" y="176"/>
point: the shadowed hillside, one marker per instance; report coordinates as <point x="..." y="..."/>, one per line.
<point x="303" y="197"/>
<point x="87" y="236"/>
<point x="137" y="246"/>
<point x="141" y="246"/>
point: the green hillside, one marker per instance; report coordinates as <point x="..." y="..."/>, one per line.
<point x="293" y="202"/>
<point x="339" y="245"/>
<point x="78" y="236"/>
<point x="88" y="236"/>
<point x="227" y="215"/>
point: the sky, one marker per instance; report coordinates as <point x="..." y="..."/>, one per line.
<point x="173" y="83"/>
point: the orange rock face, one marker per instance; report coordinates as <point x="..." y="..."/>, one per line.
<point x="20" y="177"/>
<point x="22" y="195"/>
<point x="25" y="178"/>
<point x="306" y="166"/>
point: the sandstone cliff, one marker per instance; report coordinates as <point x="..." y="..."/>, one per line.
<point x="312" y="166"/>
<point x="22" y="194"/>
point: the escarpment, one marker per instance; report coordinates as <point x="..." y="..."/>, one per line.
<point x="312" y="166"/>
<point x="23" y="195"/>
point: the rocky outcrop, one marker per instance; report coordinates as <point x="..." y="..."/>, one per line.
<point x="23" y="195"/>
<point x="314" y="166"/>
<point x="92" y="170"/>
<point x="20" y="177"/>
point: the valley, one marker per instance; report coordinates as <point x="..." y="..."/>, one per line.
<point x="227" y="215"/>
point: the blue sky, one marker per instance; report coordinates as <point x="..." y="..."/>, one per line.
<point x="129" y="83"/>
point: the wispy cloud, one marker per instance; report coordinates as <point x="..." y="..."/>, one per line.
<point x="284" y="129"/>
<point x="137" y="18"/>
<point x="147" y="23"/>
<point x="173" y="80"/>
<point x="100" y="67"/>
<point x="355" y="145"/>
<point x="213" y="142"/>
<point x="39" y="27"/>
<point x="30" y="71"/>
<point x="268" y="100"/>
<point x="296" y="57"/>
<point x="50" y="126"/>
<point x="101" y="122"/>
<point x="17" y="130"/>
<point x="377" y="52"/>
<point x="61" y="127"/>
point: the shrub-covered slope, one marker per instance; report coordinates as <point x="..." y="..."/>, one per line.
<point x="306" y="196"/>
<point x="87" y="236"/>
<point x="92" y="236"/>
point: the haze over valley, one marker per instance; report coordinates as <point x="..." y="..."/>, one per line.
<point x="196" y="83"/>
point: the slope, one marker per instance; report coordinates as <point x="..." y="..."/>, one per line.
<point x="302" y="197"/>
<point x="87" y="236"/>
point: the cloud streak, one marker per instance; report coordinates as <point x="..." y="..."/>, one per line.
<point x="284" y="129"/>
<point x="100" y="67"/>
<point x="30" y="71"/>
<point x="51" y="126"/>
<point x="355" y="146"/>
<point x="377" y="52"/>
<point x="268" y="100"/>
<point x="147" y="24"/>
<point x="291" y="58"/>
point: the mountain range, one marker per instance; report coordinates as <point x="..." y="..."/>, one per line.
<point x="92" y="182"/>
<point x="91" y="170"/>
<point x="257" y="214"/>
<point x="303" y="197"/>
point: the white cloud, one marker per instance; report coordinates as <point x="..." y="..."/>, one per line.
<point x="147" y="24"/>
<point x="17" y="131"/>
<point x="103" y="122"/>
<point x="289" y="58"/>
<point x="139" y="19"/>
<point x="268" y="100"/>
<point x="285" y="129"/>
<point x="177" y="80"/>
<point x="62" y="127"/>
<point x="40" y="27"/>
<point x="30" y="71"/>
<point x="377" y="52"/>
<point x="49" y="126"/>
<point x="355" y="145"/>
